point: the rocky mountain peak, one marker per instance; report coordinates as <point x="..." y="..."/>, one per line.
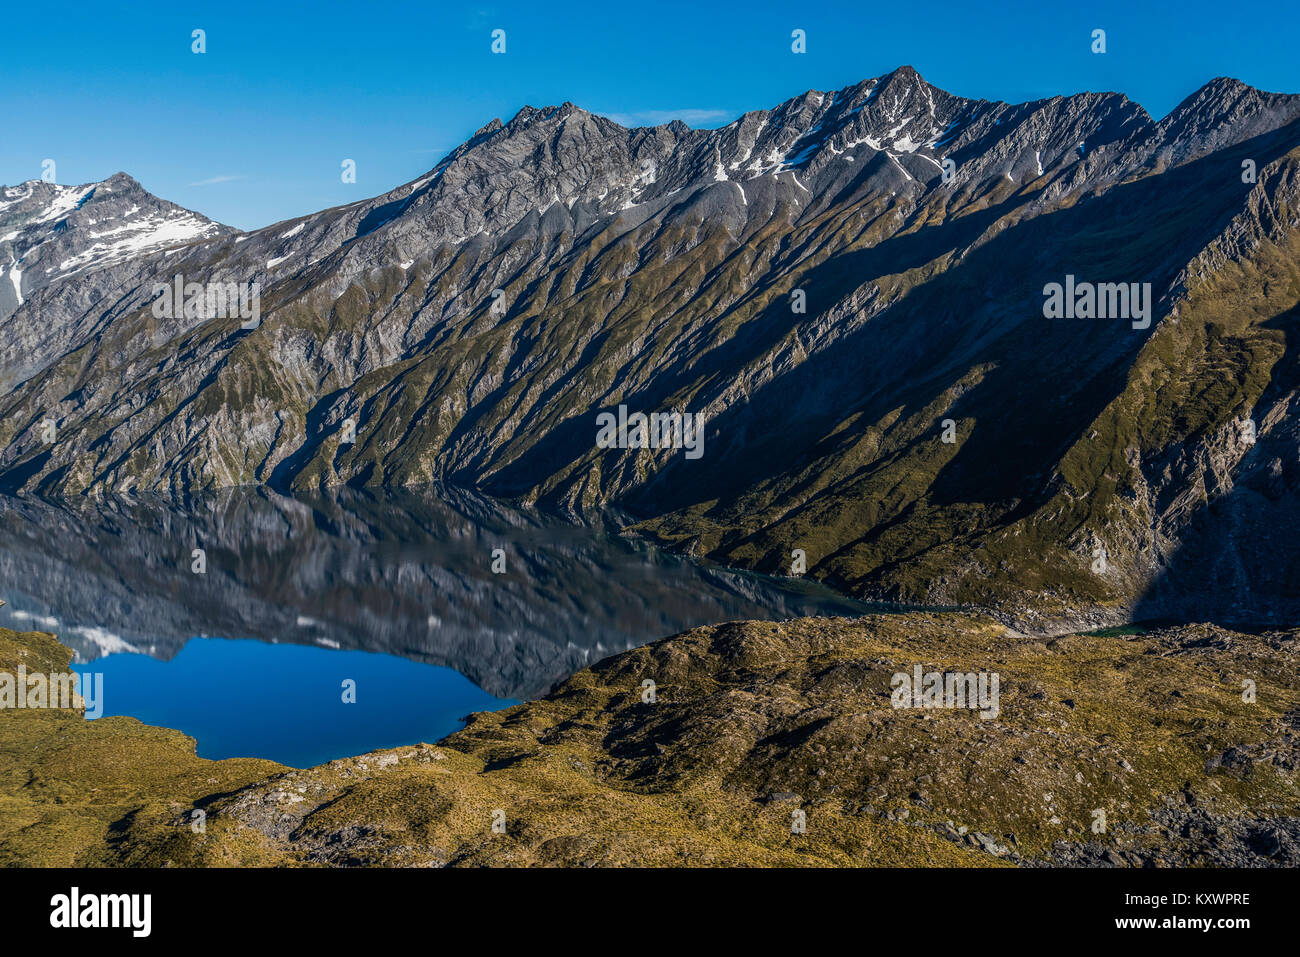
<point x="1222" y="113"/>
<point x="49" y="231"/>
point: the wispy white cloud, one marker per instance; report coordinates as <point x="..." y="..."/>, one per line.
<point x="691" y="117"/>
<point x="216" y="179"/>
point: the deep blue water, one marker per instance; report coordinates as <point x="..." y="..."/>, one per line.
<point x="285" y="702"/>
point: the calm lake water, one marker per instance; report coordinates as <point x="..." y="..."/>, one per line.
<point x="236" y="617"/>
<point x="286" y="702"/>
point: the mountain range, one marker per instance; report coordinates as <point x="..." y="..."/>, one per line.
<point x="849" y="287"/>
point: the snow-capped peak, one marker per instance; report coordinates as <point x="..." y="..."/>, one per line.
<point x="50" y="231"/>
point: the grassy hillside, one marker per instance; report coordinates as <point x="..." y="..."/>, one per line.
<point x="752" y="721"/>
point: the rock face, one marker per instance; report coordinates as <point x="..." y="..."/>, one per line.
<point x="850" y="287"/>
<point x="66" y="251"/>
<point x="1110" y="750"/>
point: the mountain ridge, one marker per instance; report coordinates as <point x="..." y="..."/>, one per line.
<point x="471" y="323"/>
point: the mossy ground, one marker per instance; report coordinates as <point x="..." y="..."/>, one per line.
<point x="751" y="722"/>
<point x="70" y="788"/>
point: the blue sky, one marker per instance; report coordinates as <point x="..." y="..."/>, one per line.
<point x="255" y="129"/>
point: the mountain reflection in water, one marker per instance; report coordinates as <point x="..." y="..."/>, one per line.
<point x="406" y="573"/>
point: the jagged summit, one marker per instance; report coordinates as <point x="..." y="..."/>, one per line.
<point x="49" y="231"/>
<point x="561" y="169"/>
<point x="1222" y="112"/>
<point x="915" y="125"/>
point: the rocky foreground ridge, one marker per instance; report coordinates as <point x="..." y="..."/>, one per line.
<point x="752" y="722"/>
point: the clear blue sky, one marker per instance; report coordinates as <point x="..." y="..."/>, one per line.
<point x="254" y="130"/>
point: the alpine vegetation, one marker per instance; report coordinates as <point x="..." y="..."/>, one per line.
<point x="658" y="430"/>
